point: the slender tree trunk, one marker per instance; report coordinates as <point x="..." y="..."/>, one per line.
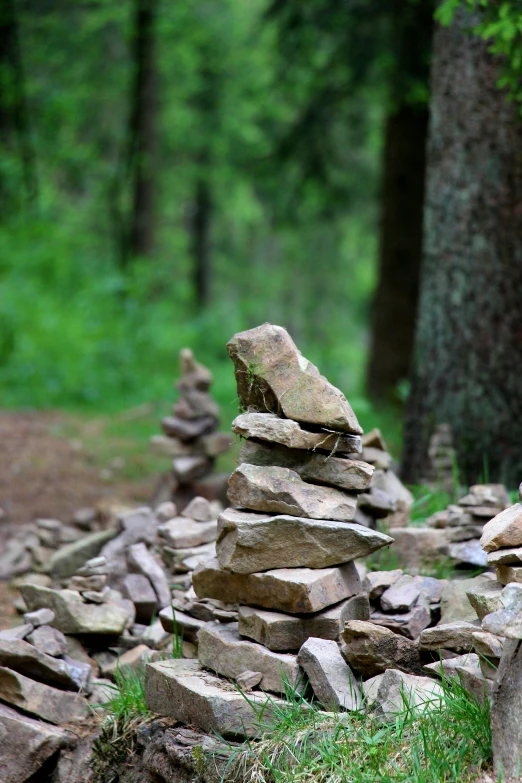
<point x="468" y="347"/>
<point x="142" y="131"/>
<point x="396" y="296"/>
<point x="201" y="224"/>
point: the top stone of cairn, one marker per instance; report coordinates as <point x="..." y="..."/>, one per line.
<point x="273" y="376"/>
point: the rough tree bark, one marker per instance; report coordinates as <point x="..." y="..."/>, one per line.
<point x="402" y="197"/>
<point x="469" y="330"/>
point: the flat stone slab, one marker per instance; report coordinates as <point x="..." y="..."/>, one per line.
<point x="511" y="555"/>
<point x="331" y="678"/>
<point x="272" y="428"/>
<point x="293" y="590"/>
<point x="182" y="533"/>
<point x="279" y="631"/>
<point x="47" y="703"/>
<point x="273" y="376"/>
<point x="248" y="543"/>
<point x="22" y="657"/>
<point x="386" y="693"/>
<point x="73" y="615"/>
<point x="221" y="649"/>
<point x="452" y="636"/>
<point x="504" y="530"/>
<point x="350" y="474"/>
<point x="26" y="745"/>
<point x="183" y="690"/>
<point x="279" y="490"/>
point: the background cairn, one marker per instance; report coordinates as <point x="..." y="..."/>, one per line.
<point x="192" y="438"/>
<point x="286" y="549"/>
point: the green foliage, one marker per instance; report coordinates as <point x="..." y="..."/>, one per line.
<point x="500" y="23"/>
<point x="128" y="701"/>
<point x="450" y="742"/>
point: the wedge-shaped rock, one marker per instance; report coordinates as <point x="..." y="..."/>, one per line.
<point x="370" y="649"/>
<point x="294" y="590"/>
<point x="485" y="598"/>
<point x="452" y="636"/>
<point x="350" y="474"/>
<point x="24" y="658"/>
<point x="221" y="649"/>
<point x="184" y="691"/>
<point x="181" y="533"/>
<point x="49" y="704"/>
<point x="279" y="631"/>
<point x="26" y="745"/>
<point x="268" y="426"/>
<point x="273" y="376"/>
<point x="331" y="678"/>
<point x="248" y="543"/>
<point x="507" y="556"/>
<point x="73" y="615"/>
<point x="503" y="530"/>
<point x="388" y="693"/>
<point x="281" y="491"/>
<point x="185" y="626"/>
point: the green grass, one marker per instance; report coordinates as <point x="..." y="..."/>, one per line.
<point x="128" y="701"/>
<point x="450" y="743"/>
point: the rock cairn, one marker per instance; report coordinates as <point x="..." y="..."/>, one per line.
<point x="191" y="437"/>
<point x="440" y="472"/>
<point x="463" y="523"/>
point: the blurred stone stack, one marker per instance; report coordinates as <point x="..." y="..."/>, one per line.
<point x="464" y="522"/>
<point x="440" y="470"/>
<point x="191" y="437"/>
<point x="286" y="550"/>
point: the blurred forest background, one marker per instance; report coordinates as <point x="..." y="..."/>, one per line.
<point x="174" y="172"/>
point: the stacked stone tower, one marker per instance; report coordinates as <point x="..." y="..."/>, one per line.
<point x="286" y="547"/>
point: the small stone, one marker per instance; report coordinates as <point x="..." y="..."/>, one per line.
<point x="67" y="560"/>
<point x="18" y="632"/>
<point x="42" y="616"/>
<point x="447" y="668"/>
<point x="187" y="469"/>
<point x="96" y="566"/>
<point x="181" y="533"/>
<point x="377" y="457"/>
<point x="97" y="596"/>
<point x="184" y="691"/>
<point x="504" y="530"/>
<point x="401" y="596"/>
<point x="133" y="659"/>
<point x="487" y="644"/>
<point x="272" y="428"/>
<point x="485" y="598"/>
<point x="376" y="582"/>
<point x="187" y="429"/>
<point x="48" y="640"/>
<point x="331" y="678"/>
<point x="507" y="620"/>
<point x="85" y="518"/>
<point x="138" y="589"/>
<point x="409" y="624"/>
<point x="199" y="509"/>
<point x="386" y="693"/>
<point x="294" y="590"/>
<point x="43" y="701"/>
<point x="455" y="604"/>
<point x="248" y="680"/>
<point x="186" y="627"/>
<point x="371" y="649"/>
<point x="473" y="681"/>
<point x="279" y="490"/>
<point x="453" y="636"/>
<point x="249" y="543"/>
<point x="216" y="443"/>
<point x="142" y="561"/>
<point x="507" y="574"/>
<point x="221" y="649"/>
<point x="469" y="552"/>
<point x="165" y="511"/>
<point x="156" y="635"/>
<point x="81" y="583"/>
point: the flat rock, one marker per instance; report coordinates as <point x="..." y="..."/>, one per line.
<point x="187" y="429"/>
<point x="447" y="668"/>
<point x="185" y="626"/>
<point x="143" y="562"/>
<point x="31" y="743"/>
<point x="282" y="491"/>
<point x="17" y="632"/>
<point x="451" y="636"/>
<point x="73" y="615"/>
<point x="47" y="703"/>
<point x="371" y="649"/>
<point x="402" y="595"/>
<point x="409" y="624"/>
<point x="273" y="376"/>
<point x="66" y="561"/>
<point x="249" y="680"/>
<point x="387" y="693"/>
<point x="504" y="530"/>
<point x="485" y="598"/>
<point x="349" y="474"/>
<point x="48" y="640"/>
<point x="272" y="428"/>
<point x="294" y="590"/>
<point x="249" y="543"/>
<point x="221" y="649"/>
<point x="22" y="657"/>
<point x="506" y="556"/>
<point x="184" y="691"/>
<point x="506" y="574"/>
<point x="181" y="532"/>
<point x="42" y="616"/>
<point x="331" y="678"/>
<point x="376" y="582"/>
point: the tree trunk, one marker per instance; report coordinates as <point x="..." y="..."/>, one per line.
<point x="142" y="131"/>
<point x="396" y="296"/>
<point x="201" y="241"/>
<point x="468" y="347"/>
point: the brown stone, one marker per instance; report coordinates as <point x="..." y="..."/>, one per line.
<point x="272" y="428"/>
<point x="371" y="649"/>
<point x="47" y="703"/>
<point x="504" y="530"/>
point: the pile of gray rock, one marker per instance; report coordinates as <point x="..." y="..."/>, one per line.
<point x="441" y="460"/>
<point x="191" y="437"/>
<point x="463" y="522"/>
